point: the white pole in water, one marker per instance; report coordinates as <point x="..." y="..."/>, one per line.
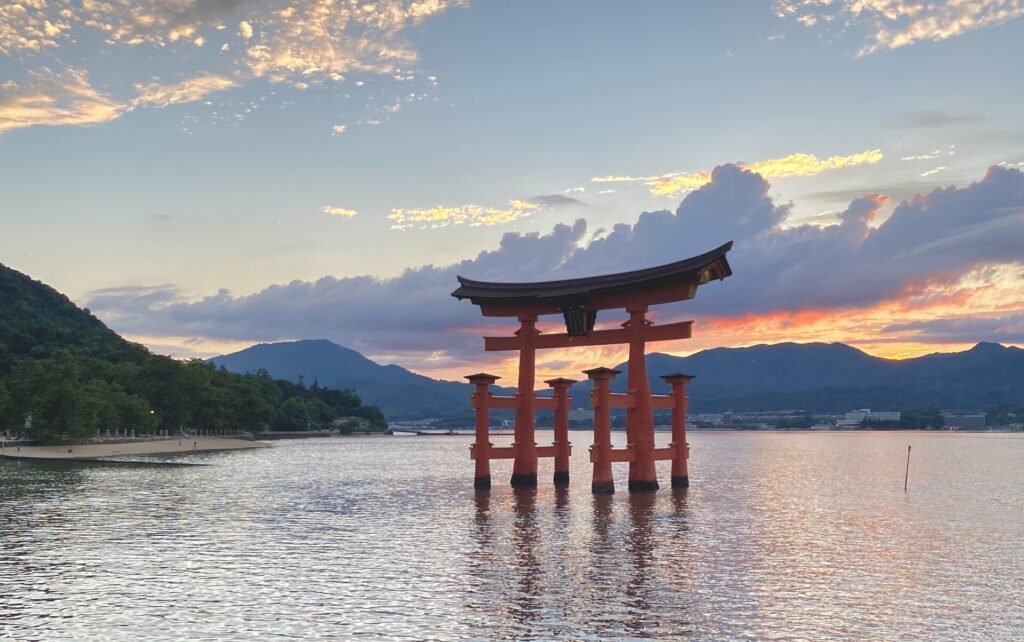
<point x="906" y="475"/>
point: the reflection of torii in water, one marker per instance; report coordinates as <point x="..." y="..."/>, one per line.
<point x="578" y="301"/>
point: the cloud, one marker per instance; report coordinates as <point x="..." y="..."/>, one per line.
<point x="891" y="24"/>
<point x="954" y="252"/>
<point x="477" y="215"/>
<point x="338" y="130"/>
<point x="54" y="98"/>
<point x="472" y="215"/>
<point x="24" y="28"/>
<point x="155" y="94"/>
<point x="799" y="164"/>
<point x="555" y="200"/>
<point x="929" y="156"/>
<point x="412" y="315"/>
<point x="936" y="119"/>
<point x="51" y="98"/>
<point x="340" y="212"/>
<point x="305" y="44"/>
<point x="933" y="172"/>
<point x="1008" y="328"/>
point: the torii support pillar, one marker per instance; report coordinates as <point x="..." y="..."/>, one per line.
<point x="680" y="474"/>
<point x="640" y="417"/>
<point x="524" y="468"/>
<point x="561" y="421"/>
<point x="601" y="451"/>
<point x="482" y="445"/>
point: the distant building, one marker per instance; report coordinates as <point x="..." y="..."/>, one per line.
<point x="855" y="418"/>
<point x="951" y="420"/>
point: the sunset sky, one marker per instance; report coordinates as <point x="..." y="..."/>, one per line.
<point x="205" y="175"/>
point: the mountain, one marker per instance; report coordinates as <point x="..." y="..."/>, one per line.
<point x="834" y="377"/>
<point x="36" y="321"/>
<point x="818" y="377"/>
<point x="65" y="377"/>
<point x="400" y="394"/>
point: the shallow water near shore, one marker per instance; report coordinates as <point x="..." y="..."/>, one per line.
<point x="781" y="536"/>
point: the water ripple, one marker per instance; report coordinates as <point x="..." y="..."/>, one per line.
<point x="781" y="537"/>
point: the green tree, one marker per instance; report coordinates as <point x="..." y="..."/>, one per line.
<point x="5" y="406"/>
<point x="49" y="392"/>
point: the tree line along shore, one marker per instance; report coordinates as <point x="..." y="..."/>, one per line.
<point x="65" y="378"/>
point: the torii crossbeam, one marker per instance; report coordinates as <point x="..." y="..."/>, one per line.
<point x="579" y="301"/>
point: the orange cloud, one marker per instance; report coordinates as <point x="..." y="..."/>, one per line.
<point x="799" y="164"/>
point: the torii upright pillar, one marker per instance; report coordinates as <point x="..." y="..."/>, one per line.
<point x="560" y="388"/>
<point x="680" y="472"/>
<point x="481" y="398"/>
<point x="524" y="468"/>
<point x="640" y="416"/>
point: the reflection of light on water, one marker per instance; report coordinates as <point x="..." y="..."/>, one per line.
<point x="780" y="535"/>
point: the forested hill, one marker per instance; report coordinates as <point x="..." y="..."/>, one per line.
<point x="75" y="377"/>
<point x="37" y="321"/>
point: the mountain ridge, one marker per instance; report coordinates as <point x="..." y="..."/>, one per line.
<point x="817" y="377"/>
<point x="398" y="392"/>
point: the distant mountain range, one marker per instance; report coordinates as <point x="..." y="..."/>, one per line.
<point x="835" y="378"/>
<point x="400" y="394"/>
<point x="817" y="377"/>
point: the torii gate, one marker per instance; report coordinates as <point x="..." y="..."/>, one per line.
<point x="578" y="301"/>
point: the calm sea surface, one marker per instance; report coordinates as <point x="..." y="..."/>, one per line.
<point x="782" y="536"/>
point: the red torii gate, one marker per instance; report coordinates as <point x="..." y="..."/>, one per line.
<point x="578" y="301"/>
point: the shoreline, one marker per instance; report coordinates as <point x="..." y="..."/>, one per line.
<point x="86" y="452"/>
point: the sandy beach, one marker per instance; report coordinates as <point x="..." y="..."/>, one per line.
<point x="154" y="447"/>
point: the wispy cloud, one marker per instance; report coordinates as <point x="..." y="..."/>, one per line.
<point x="793" y="165"/>
<point x="891" y="24"/>
<point x="304" y="44"/>
<point x="935" y="119"/>
<point x="156" y="94"/>
<point x="477" y="215"/>
<point x="472" y="215"/>
<point x="51" y="98"/>
<point x="928" y="156"/>
<point x="340" y="212"/>
<point x="933" y="172"/>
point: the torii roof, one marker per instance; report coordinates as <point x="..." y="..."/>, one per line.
<point x="599" y="292"/>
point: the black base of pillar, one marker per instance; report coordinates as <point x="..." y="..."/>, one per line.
<point x="641" y="486"/>
<point x="482" y="483"/>
<point x="680" y="482"/>
<point x="561" y="476"/>
<point x="524" y="480"/>
<point x="602" y="488"/>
